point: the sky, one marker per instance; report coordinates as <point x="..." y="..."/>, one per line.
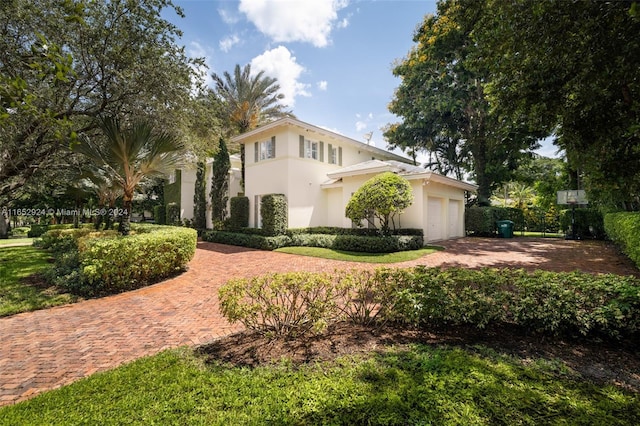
<point x="333" y="58"/>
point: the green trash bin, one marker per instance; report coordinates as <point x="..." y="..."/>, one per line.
<point x="505" y="228"/>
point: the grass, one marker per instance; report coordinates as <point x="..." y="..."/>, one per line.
<point x="418" y="384"/>
<point x="352" y="256"/>
<point x="16" y="264"/>
<point x="11" y="241"/>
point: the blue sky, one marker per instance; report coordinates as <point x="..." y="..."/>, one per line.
<point x="332" y="58"/>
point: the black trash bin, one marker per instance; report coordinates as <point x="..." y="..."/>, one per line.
<point x="505" y="228"/>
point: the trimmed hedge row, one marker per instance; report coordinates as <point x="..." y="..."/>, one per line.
<point x="546" y="302"/>
<point x="388" y="244"/>
<point x="481" y="221"/>
<point x="363" y="232"/>
<point x="588" y="222"/>
<point x="98" y="263"/>
<point x="623" y="228"/>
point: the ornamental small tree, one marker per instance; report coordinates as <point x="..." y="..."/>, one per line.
<point x="382" y="197"/>
<point x="200" y="199"/>
<point x="220" y="183"/>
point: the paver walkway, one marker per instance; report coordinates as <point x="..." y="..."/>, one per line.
<point x="47" y="349"/>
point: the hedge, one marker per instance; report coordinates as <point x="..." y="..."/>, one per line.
<point x="98" y="263"/>
<point x="481" y="221"/>
<point x="239" y="212"/>
<point x="354" y="243"/>
<point x="160" y="214"/>
<point x="364" y="232"/>
<point x="544" y="302"/>
<point x="623" y="228"/>
<point x="273" y="209"/>
<point x="588" y="223"/>
<point x="172" y="215"/>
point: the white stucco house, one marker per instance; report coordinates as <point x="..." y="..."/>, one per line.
<point x="318" y="170"/>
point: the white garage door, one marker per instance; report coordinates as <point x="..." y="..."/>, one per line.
<point x="455" y="226"/>
<point x="434" y="219"/>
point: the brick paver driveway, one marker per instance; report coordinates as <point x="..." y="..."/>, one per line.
<point x="50" y="348"/>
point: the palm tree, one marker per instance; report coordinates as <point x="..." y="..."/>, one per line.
<point x="249" y="100"/>
<point x="129" y="155"/>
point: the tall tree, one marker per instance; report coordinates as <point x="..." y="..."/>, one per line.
<point x="200" y="198"/>
<point x="571" y="68"/>
<point x="130" y="155"/>
<point x="220" y="183"/>
<point x="249" y="100"/>
<point x="63" y="63"/>
<point x="444" y="109"/>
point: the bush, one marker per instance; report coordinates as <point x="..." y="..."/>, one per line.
<point x="160" y="214"/>
<point x="273" y="209"/>
<point x="481" y="221"/>
<point x="623" y="229"/>
<point x="239" y="212"/>
<point x="246" y="240"/>
<point x="97" y="263"/>
<point x="588" y="222"/>
<point x="546" y="302"/>
<point x="387" y="244"/>
<point x="37" y="231"/>
<point x="280" y="304"/>
<point x="172" y="215"/>
<point x="20" y="231"/>
<point x="363" y="232"/>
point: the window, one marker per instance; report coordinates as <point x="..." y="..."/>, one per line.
<point x="265" y="150"/>
<point x="311" y="149"/>
<point x="335" y="155"/>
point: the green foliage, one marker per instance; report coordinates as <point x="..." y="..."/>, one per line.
<point x="382" y="197"/>
<point x="97" y="263"/>
<point x="588" y="223"/>
<point x="200" y="199"/>
<point x="353" y="256"/>
<point x="546" y="302"/>
<point x="246" y="240"/>
<point x="239" y="212"/>
<point x="220" y="183"/>
<point x="623" y="228"/>
<point x="280" y="304"/>
<point x="274" y="214"/>
<point x="383" y="244"/>
<point x="565" y="67"/>
<point x="363" y="232"/>
<point x="172" y="214"/>
<point x="37" y="230"/>
<point x="160" y="214"/>
<point x="481" y="221"/>
<point x="113" y="265"/>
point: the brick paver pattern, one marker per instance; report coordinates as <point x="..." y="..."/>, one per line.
<point x="50" y="348"/>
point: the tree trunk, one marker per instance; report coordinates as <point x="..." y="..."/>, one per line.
<point x="4" y="226"/>
<point x="125" y="218"/>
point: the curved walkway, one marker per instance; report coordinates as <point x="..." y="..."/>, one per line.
<point x="47" y="349"/>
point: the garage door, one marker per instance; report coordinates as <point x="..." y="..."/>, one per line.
<point x="455" y="225"/>
<point x="434" y="219"/>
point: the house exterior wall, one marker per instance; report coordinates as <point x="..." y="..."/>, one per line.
<point x="298" y="178"/>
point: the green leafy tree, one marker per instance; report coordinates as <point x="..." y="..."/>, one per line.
<point x="200" y="198"/>
<point x="63" y="63"/>
<point x="443" y="106"/>
<point x="249" y="100"/>
<point x="130" y="155"/>
<point x="382" y="197"/>
<point x="220" y="183"/>
<point x="571" y="69"/>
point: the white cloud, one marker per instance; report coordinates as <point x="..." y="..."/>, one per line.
<point x="228" y="42"/>
<point x="280" y="64"/>
<point x="287" y="21"/>
<point x="322" y="85"/>
<point x="196" y="50"/>
<point x="360" y="126"/>
<point x="228" y="18"/>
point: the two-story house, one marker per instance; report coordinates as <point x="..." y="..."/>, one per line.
<point x="318" y="170"/>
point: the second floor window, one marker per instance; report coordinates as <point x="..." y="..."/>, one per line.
<point x="311" y="149"/>
<point x="265" y="149"/>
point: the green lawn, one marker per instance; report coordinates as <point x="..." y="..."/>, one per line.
<point x="17" y="263"/>
<point x="352" y="256"/>
<point x="11" y="241"/>
<point x="418" y="384"/>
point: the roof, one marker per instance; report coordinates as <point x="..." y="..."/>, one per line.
<point x="295" y="123"/>
<point x="408" y="171"/>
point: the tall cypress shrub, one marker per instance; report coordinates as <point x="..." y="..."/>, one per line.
<point x="220" y="183"/>
<point x="200" y="199"/>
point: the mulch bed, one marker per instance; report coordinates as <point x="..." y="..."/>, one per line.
<point x="602" y="362"/>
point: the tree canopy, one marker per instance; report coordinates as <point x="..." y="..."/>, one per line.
<point x="444" y="108"/>
<point x="63" y="63"/>
<point x="382" y="197"/>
